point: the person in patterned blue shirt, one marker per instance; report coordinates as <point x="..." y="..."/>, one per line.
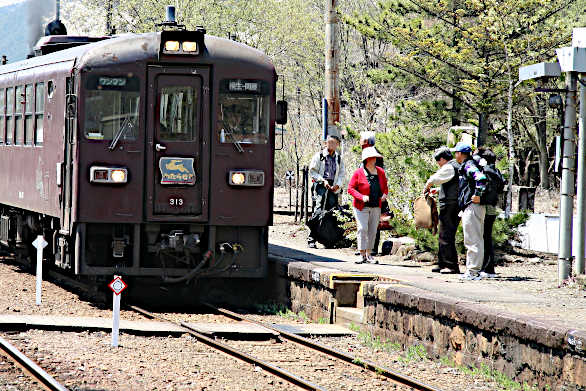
<point x="472" y="186"/>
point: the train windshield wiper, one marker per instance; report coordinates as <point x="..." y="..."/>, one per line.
<point x="236" y="143"/>
<point x="127" y="124"/>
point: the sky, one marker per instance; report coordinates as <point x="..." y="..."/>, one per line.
<point x="9" y="2"/>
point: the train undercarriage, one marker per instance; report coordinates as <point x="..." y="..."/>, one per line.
<point x="173" y="252"/>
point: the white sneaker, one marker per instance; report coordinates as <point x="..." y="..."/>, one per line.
<point x="487" y="275"/>
<point x="361" y="260"/>
<point x="469" y="276"/>
<point x="370" y="259"/>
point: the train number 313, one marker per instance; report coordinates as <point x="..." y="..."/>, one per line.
<point x="176" y="201"/>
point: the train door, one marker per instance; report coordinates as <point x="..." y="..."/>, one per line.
<point x="177" y="140"/>
<point x="67" y="170"/>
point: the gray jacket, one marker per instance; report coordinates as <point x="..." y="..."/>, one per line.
<point x="318" y="166"/>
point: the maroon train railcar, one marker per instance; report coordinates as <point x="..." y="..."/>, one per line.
<point x="141" y="154"/>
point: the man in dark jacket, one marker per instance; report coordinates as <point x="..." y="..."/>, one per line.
<point x="471" y="187"/>
<point x="447" y="178"/>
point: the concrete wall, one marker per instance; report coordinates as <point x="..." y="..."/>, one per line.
<point x="525" y="349"/>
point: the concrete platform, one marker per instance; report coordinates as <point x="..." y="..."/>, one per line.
<point x="240" y="330"/>
<point x="70" y="323"/>
<point x="506" y="294"/>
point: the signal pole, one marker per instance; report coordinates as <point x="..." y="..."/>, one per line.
<point x="332" y="89"/>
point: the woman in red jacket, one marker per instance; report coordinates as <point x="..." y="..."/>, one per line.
<point x="369" y="188"/>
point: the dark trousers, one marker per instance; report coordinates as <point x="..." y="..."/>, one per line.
<point x="448" y="226"/>
<point x="488" y="263"/>
<point x="319" y="191"/>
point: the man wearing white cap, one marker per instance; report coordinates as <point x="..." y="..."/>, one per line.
<point x="369" y="188"/>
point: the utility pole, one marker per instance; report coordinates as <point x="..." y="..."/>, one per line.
<point x="109" y="17"/>
<point x="332" y="89"/>
<point x="57" y="9"/>
<point x="579" y="260"/>
<point x="568" y="179"/>
<point x="572" y="61"/>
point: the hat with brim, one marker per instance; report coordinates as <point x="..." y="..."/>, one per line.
<point x="462" y="147"/>
<point x="370" y="152"/>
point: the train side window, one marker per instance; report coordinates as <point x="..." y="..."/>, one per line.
<point x="29" y="115"/>
<point x="39" y="112"/>
<point x="244" y="111"/>
<point x="177" y="113"/>
<point x="18" y="121"/>
<point x="9" y="115"/>
<point x="2" y="112"/>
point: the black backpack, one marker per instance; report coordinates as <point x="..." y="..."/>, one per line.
<point x="495" y="185"/>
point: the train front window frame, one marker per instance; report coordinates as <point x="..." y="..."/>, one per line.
<point x="112" y="103"/>
<point x="39" y="112"/>
<point x="178" y="110"/>
<point x="2" y="114"/>
<point x="243" y="111"/>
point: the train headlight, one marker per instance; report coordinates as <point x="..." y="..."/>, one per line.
<point x="237" y="178"/>
<point x="172" y="46"/>
<point x="115" y="175"/>
<point x="189" y="46"/>
<point x="254" y="178"/>
<point x="118" y="176"/>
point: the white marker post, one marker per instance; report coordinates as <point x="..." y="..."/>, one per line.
<point x="117" y="286"/>
<point x="40" y="243"/>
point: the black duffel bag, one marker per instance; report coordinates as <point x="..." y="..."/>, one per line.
<point x="325" y="227"/>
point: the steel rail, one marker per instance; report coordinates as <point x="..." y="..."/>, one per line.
<point x="43" y="378"/>
<point x="275" y="370"/>
<point x="391" y="374"/>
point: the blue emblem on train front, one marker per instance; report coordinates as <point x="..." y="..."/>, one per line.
<point x="177" y="171"/>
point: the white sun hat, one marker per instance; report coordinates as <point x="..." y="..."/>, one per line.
<point x="370" y="152"/>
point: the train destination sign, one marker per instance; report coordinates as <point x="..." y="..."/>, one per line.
<point x="177" y="171"/>
<point x="243" y="85"/>
<point x="112" y="81"/>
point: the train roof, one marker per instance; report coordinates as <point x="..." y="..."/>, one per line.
<point x="132" y="48"/>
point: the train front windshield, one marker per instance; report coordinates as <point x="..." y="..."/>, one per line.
<point x="111" y="106"/>
<point x="244" y="111"/>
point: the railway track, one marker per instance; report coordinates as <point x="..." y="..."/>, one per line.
<point x="275" y="370"/>
<point x="46" y="381"/>
<point x="392" y="375"/>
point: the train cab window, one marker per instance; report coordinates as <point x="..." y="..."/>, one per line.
<point x="244" y="111"/>
<point x="111" y="107"/>
<point x="177" y="110"/>
<point x="39" y="112"/>
<point x="28" y="115"/>
<point x="9" y="115"/>
<point x="2" y="111"/>
<point x="18" y="122"/>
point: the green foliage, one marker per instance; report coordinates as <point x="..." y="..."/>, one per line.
<point x="504" y="230"/>
<point x="323" y="321"/>
<point x="414" y="353"/>
<point x="375" y="342"/>
<point x="300" y="317"/>
<point x="270" y="308"/>
<point x="496" y="376"/>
